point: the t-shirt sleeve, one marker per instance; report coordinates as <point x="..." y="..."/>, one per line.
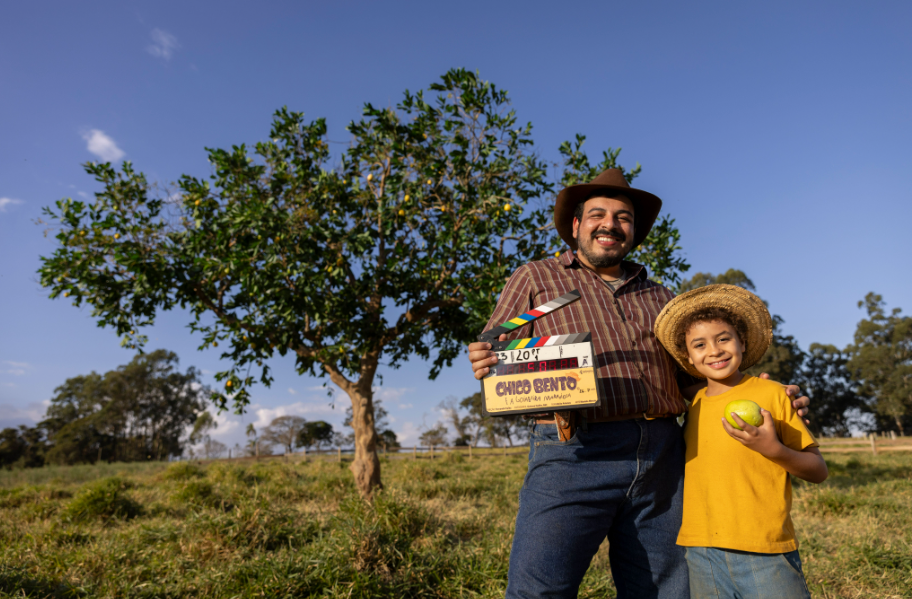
<point x="792" y="431"/>
<point x="514" y="300"/>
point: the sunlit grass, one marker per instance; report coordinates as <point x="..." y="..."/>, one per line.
<point x="441" y="528"/>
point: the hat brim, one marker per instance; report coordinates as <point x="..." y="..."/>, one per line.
<point x="646" y="207"/>
<point x="737" y="300"/>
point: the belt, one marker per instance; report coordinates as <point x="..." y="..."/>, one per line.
<point x="637" y="416"/>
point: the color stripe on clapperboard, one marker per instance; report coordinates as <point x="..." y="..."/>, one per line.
<point x="533" y="314"/>
<point x="546" y="341"/>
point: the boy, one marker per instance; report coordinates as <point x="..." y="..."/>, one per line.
<point x="737" y="492"/>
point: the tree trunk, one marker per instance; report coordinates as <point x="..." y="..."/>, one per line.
<point x="900" y="426"/>
<point x="366" y="463"/>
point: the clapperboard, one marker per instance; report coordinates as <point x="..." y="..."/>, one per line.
<point x="540" y="374"/>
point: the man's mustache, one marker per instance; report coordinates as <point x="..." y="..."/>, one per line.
<point x="616" y="233"/>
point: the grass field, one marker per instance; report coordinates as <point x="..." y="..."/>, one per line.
<point x="442" y="528"/>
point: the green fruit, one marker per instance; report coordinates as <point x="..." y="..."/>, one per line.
<point x="747" y="410"/>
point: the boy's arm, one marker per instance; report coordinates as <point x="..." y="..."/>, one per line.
<point x="806" y="464"/>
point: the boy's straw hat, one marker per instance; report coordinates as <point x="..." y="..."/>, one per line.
<point x="737" y="300"/>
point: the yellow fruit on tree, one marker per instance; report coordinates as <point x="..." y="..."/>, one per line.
<point x="747" y="410"/>
<point x="506" y="207"/>
<point x="370" y="177"/>
<point x="402" y="213"/>
<point x="116" y="235"/>
<point x="228" y="384"/>
<point x="557" y="254"/>
<point x="196" y="203"/>
<point x="406" y="198"/>
<point x="430" y="182"/>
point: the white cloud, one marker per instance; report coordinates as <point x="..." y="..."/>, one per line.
<point x="13" y="415"/>
<point x="16" y="371"/>
<point x="391" y="393"/>
<point x="292" y="391"/>
<point x="266" y="415"/>
<point x="163" y="44"/>
<point x="405" y="406"/>
<point x="4" y="202"/>
<point x="82" y="194"/>
<point x="102" y="146"/>
<point x="17" y="364"/>
<point x="408" y="434"/>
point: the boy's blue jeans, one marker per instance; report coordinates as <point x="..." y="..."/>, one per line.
<point x="621" y="480"/>
<point x="744" y="575"/>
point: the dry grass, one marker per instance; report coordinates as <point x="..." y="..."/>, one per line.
<point x="442" y="528"/>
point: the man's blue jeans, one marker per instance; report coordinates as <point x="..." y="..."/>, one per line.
<point x="621" y="480"/>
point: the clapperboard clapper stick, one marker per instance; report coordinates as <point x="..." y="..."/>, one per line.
<point x="540" y="374"/>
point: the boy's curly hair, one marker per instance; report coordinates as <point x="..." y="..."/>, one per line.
<point x="711" y="314"/>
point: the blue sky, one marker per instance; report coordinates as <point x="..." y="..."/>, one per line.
<point x="777" y="134"/>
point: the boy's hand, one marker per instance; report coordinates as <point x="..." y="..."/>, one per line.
<point x="762" y="439"/>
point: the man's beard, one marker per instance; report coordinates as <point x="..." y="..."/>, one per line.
<point x="605" y="258"/>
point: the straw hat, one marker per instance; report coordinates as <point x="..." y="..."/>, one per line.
<point x="737" y="300"/>
<point x="646" y="206"/>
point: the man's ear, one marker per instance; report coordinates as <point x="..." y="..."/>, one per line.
<point x="576" y="225"/>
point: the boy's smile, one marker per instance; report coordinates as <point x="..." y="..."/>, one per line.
<point x="715" y="350"/>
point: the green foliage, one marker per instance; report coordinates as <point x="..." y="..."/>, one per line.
<point x="732" y="276"/>
<point x="198" y="493"/>
<point x="834" y="397"/>
<point x="105" y="499"/>
<point x="137" y="412"/>
<point x="660" y="251"/>
<point x="22" y="448"/>
<point x="183" y="471"/>
<point x="881" y="361"/>
<point x="315" y="434"/>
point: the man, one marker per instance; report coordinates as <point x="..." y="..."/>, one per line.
<point x="615" y="471"/>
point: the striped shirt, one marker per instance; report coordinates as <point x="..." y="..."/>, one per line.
<point x="635" y="372"/>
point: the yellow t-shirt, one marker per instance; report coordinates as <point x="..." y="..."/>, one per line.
<point x="734" y="498"/>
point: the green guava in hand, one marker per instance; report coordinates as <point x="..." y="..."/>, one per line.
<point x="747" y="410"/>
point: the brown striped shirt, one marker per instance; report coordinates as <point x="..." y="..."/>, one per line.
<point x="636" y="373"/>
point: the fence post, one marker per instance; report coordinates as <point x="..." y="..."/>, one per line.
<point x="305" y="454"/>
<point x="505" y="451"/>
<point x="893" y="434"/>
<point x="470" y="452"/>
<point x="339" y="454"/>
<point x="415" y="453"/>
<point x="873" y="445"/>
<point x="432" y="452"/>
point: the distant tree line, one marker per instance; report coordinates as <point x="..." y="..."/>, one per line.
<point x="139" y="411"/>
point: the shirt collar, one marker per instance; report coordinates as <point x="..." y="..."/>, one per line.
<point x="633" y="270"/>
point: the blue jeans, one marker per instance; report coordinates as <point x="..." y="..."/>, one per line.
<point x="621" y="480"/>
<point x="720" y="573"/>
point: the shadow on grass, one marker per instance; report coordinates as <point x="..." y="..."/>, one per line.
<point x="20" y="583"/>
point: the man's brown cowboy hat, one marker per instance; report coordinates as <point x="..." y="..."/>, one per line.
<point x="645" y="205"/>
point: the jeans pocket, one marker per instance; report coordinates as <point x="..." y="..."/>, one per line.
<point x="545" y="436"/>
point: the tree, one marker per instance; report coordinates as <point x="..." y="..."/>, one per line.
<point x="284" y="431"/>
<point x="435" y="437"/>
<point x="398" y="251"/>
<point x="204" y="423"/>
<point x="213" y="449"/>
<point x="315" y="434"/>
<point x="22" y="448"/>
<point x="462" y="425"/>
<point x="828" y="383"/>
<point x="881" y="361"/>
<point x="388" y="440"/>
<point x="139" y="411"/>
<point x="493" y="430"/>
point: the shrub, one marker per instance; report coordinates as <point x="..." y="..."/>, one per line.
<point x="105" y="499"/>
<point x="198" y="492"/>
<point x="183" y="471"/>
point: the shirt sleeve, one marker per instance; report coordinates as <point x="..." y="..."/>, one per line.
<point x="792" y="431"/>
<point x="515" y="299"/>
